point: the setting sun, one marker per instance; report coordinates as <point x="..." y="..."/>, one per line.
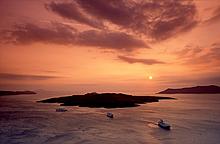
<point x="150" y="77"/>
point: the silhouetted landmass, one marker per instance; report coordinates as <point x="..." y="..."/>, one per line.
<point x="106" y="100"/>
<point x="4" y="93"/>
<point x="211" y="89"/>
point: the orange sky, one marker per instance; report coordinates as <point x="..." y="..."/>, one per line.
<point x="109" y="46"/>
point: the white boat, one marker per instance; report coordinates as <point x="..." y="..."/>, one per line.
<point x="163" y="125"/>
<point x="61" y="110"/>
<point x="110" y="115"/>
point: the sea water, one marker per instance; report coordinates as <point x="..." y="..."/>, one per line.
<point x="194" y="119"/>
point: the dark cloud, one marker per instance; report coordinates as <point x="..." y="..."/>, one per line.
<point x="72" y="11"/>
<point x="63" y="34"/>
<point x="13" y="76"/>
<point x="165" y="19"/>
<point x="132" y="60"/>
<point x="29" y="33"/>
<point x="215" y="16"/>
<point x="116" y="11"/>
<point x="155" y="19"/>
<point x="114" y="40"/>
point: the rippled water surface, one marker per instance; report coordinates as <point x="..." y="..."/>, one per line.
<point x="195" y="119"/>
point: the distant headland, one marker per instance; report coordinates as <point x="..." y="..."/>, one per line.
<point x="4" y="93"/>
<point x="210" y="89"/>
<point x="105" y="100"/>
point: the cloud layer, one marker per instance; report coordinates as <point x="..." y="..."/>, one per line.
<point x="215" y="16"/>
<point x="71" y="11"/>
<point x="157" y="20"/>
<point x="194" y="79"/>
<point x="120" y="25"/>
<point x="201" y="55"/>
<point x="13" y="76"/>
<point x="132" y="60"/>
<point x="62" y="34"/>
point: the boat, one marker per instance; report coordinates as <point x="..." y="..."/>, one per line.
<point x="61" y="110"/>
<point x="110" y="115"/>
<point x="163" y="125"/>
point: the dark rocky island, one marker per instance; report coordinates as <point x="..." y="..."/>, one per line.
<point x="4" y="93"/>
<point x="106" y="100"/>
<point x="211" y="89"/>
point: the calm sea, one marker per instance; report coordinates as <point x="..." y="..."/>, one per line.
<point x="195" y="119"/>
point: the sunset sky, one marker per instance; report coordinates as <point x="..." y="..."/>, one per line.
<point x="132" y="46"/>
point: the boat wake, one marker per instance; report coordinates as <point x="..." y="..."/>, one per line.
<point x="152" y="124"/>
